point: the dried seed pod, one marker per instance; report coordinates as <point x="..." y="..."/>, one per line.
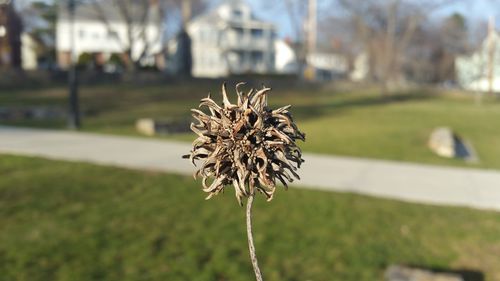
<point x="245" y="144"/>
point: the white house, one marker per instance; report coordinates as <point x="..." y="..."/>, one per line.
<point x="229" y="40"/>
<point x="361" y="68"/>
<point x="29" y="52"/>
<point x="285" y="58"/>
<point x="104" y="31"/>
<point x="472" y="71"/>
<point x="328" y="65"/>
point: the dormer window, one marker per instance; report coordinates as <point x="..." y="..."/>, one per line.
<point x="112" y="34"/>
<point x="239" y="31"/>
<point x="257" y="33"/>
<point x="237" y="13"/>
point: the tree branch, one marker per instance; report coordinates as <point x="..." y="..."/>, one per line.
<point x="102" y="17"/>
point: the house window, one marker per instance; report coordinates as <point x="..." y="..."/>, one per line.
<point x="274" y="35"/>
<point x="257" y="33"/>
<point x="272" y="58"/>
<point x="81" y="33"/>
<point x="239" y="31"/>
<point x="112" y="34"/>
<point x="237" y="13"/>
<point x="257" y="57"/>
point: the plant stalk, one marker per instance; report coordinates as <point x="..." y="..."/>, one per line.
<point x="251" y="247"/>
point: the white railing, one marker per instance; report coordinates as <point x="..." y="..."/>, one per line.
<point x="245" y="42"/>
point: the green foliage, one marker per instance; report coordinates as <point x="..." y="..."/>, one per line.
<point x="116" y="60"/>
<point x="457" y="20"/>
<point x="85" y="60"/>
<point x="70" y="222"/>
<point x="48" y="12"/>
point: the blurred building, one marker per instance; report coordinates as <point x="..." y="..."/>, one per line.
<point x="11" y="28"/>
<point x="38" y="37"/>
<point x="21" y="46"/>
<point x="101" y="31"/>
<point x="227" y="40"/>
<point x="231" y="40"/>
<point x="360" y="68"/>
<point x="475" y="72"/>
<point x="285" y="58"/>
<point x="328" y="65"/>
<point x="29" y="51"/>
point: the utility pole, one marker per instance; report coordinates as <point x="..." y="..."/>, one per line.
<point x="311" y="38"/>
<point x="491" y="55"/>
<point x="186" y="12"/>
<point x="312" y="27"/>
<point x="74" y="122"/>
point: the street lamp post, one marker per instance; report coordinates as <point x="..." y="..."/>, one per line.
<point x="74" y="121"/>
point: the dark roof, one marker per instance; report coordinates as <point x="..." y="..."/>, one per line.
<point x="89" y="12"/>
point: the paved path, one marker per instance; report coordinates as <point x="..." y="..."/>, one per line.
<point x="397" y="180"/>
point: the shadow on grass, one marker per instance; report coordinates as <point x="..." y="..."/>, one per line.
<point x="172" y="100"/>
<point x="465" y="273"/>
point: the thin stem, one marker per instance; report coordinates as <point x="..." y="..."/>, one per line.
<point x="251" y="247"/>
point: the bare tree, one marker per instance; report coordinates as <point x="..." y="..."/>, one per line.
<point x="139" y="16"/>
<point x="450" y="39"/>
<point x="296" y="12"/>
<point x="385" y="29"/>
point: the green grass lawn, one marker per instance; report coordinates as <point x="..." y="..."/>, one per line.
<point x="65" y="221"/>
<point x="349" y="122"/>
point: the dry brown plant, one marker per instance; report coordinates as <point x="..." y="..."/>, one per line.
<point x="247" y="145"/>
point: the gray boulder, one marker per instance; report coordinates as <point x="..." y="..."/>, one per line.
<point x="152" y="127"/>
<point x="446" y="143"/>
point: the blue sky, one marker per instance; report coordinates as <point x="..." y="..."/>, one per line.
<point x="477" y="9"/>
<point x="474" y="10"/>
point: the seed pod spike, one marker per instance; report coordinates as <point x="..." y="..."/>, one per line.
<point x="240" y="93"/>
<point x="281" y="109"/>
<point x="257" y="98"/>
<point x="225" y="100"/>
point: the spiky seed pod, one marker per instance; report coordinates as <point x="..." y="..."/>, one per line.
<point x="246" y="144"/>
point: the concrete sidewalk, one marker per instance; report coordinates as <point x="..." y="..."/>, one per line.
<point x="397" y="180"/>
